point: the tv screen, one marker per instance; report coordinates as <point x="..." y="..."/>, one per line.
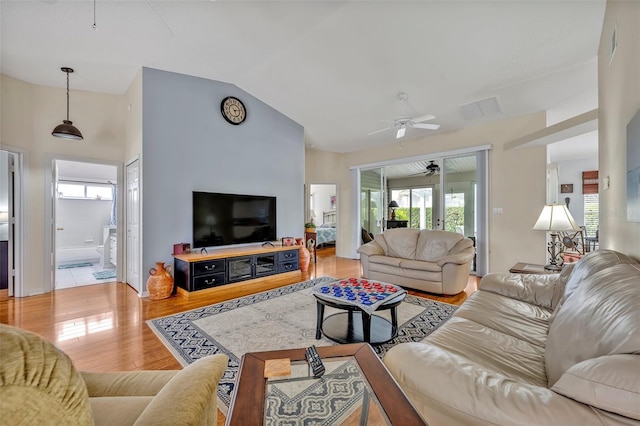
<point x="224" y="219"/>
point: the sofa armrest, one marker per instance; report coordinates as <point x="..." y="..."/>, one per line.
<point x="540" y="290"/>
<point x="458" y="259"/>
<point x="190" y="398"/>
<point x="372" y="248"/>
<point x="130" y="383"/>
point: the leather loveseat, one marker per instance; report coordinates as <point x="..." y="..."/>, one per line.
<point x="432" y="261"/>
<point x="559" y="349"/>
<point x="40" y="386"/>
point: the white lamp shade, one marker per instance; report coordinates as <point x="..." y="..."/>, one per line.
<point x="556" y="217"/>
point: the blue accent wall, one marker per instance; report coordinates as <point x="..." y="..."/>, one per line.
<point x="188" y="146"/>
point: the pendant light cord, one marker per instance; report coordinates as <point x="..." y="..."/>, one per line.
<point x="95" y="26"/>
<point x="67" y="95"/>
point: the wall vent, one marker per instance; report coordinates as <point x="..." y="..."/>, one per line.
<point x="483" y="108"/>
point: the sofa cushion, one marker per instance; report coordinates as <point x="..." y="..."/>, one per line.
<point x="38" y="382"/>
<point x="514" y="317"/>
<point x="604" y="382"/>
<point x="517" y="358"/>
<point x="118" y="410"/>
<point x="385" y="260"/>
<point x="432" y="245"/>
<point x="449" y="388"/>
<point x="599" y="317"/>
<point x="420" y="265"/>
<point x="401" y="242"/>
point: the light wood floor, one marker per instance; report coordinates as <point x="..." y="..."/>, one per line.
<point x="102" y="327"/>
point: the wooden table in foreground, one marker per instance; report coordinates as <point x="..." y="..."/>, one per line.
<point x="248" y="404"/>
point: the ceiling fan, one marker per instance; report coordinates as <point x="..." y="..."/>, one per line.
<point x="403" y="121"/>
<point x="431" y="169"/>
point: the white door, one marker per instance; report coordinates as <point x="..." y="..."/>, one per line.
<point x="133" y="225"/>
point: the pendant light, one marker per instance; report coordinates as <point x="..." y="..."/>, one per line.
<point x="67" y="130"/>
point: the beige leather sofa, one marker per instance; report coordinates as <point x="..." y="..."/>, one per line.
<point x="432" y="261"/>
<point x="561" y="349"/>
<point x="40" y="386"/>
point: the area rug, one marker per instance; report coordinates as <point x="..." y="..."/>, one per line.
<point x="282" y="318"/>
<point x="104" y="275"/>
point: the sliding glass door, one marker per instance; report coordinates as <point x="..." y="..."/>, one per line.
<point x="453" y="197"/>
<point x="416" y="206"/>
<point x="372" y="200"/>
<point x="460" y="194"/>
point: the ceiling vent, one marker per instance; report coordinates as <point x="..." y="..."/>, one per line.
<point x="483" y="108"/>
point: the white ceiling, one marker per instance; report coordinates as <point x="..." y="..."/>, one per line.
<point x="334" y="67"/>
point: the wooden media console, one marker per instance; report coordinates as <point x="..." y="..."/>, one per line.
<point x="239" y="270"/>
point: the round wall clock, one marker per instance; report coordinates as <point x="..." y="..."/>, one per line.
<point x="233" y="110"/>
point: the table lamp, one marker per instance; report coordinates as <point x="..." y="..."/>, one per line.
<point x="393" y="205"/>
<point x="555" y="218"/>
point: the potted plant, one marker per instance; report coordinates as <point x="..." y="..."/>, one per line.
<point x="309" y="227"/>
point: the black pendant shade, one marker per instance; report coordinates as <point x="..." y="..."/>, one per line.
<point x="67" y="130"/>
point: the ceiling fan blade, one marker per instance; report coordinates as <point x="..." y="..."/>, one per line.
<point x="416" y="174"/>
<point x="378" y="131"/>
<point x="426" y="126"/>
<point x="423" y="118"/>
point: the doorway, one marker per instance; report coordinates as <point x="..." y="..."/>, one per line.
<point x="85" y="217"/>
<point x="323" y="209"/>
<point x="452" y="196"/>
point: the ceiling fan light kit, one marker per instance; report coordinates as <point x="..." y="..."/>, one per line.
<point x="431" y="169"/>
<point x="67" y="130"/>
<point x="403" y="121"/>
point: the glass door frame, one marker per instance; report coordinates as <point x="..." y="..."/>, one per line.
<point x="481" y="202"/>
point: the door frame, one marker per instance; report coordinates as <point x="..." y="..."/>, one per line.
<point x="482" y="200"/>
<point x="17" y="205"/>
<point x="138" y="287"/>
<point x="50" y="218"/>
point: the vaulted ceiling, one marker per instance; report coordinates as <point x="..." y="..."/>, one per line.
<point x="334" y="67"/>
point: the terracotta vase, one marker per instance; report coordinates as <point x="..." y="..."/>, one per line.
<point x="160" y="282"/>
<point x="304" y="255"/>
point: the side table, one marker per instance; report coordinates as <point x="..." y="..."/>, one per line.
<point x="530" y="268"/>
<point x="311" y="242"/>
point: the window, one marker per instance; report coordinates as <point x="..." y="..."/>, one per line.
<point x="591" y="213"/>
<point x="415" y="206"/>
<point x="85" y="191"/>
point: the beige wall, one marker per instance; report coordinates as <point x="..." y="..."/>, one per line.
<point x="29" y="114"/>
<point x="619" y="99"/>
<point x="517" y="184"/>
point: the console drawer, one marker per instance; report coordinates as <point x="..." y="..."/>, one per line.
<point x="288" y="255"/>
<point x="207" y="281"/>
<point x="288" y="266"/>
<point x="208" y="267"/>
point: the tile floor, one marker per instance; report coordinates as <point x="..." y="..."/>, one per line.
<point x="77" y="277"/>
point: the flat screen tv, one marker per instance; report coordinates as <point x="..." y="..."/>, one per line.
<point x="224" y="219"/>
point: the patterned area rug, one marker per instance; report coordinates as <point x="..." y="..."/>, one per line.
<point x="282" y="318"/>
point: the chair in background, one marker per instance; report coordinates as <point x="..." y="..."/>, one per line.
<point x="573" y="244"/>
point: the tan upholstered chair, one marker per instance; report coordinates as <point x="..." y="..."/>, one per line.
<point x="39" y="385"/>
